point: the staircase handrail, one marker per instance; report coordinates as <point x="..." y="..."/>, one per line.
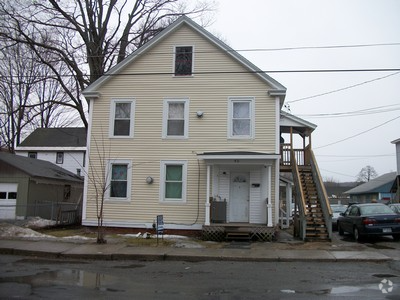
<point x="322" y="195"/>
<point x="299" y="195"/>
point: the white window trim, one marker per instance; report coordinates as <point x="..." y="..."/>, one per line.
<point x="163" y="166"/>
<point x="232" y="100"/>
<point x="108" y="174"/>
<point x="112" y="116"/>
<point x="174" y="58"/>
<point x="165" y="119"/>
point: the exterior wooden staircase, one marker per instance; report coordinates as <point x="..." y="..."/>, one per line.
<point x="313" y="221"/>
<point x="316" y="227"/>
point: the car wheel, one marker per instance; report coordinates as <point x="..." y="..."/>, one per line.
<point x="396" y="237"/>
<point x="340" y="229"/>
<point x="356" y="234"/>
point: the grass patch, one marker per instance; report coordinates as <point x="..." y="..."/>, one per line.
<point x="152" y="242"/>
<point x="61" y="232"/>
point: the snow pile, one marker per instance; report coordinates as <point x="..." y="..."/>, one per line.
<point x="10" y="230"/>
<point x="37" y="222"/>
<point x="180" y="241"/>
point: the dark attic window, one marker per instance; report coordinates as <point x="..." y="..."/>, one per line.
<point x="183" y="61"/>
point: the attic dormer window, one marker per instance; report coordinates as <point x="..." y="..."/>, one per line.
<point x="183" y="60"/>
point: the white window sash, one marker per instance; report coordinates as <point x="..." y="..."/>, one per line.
<point x="246" y="120"/>
<point x="113" y="118"/>
<point x="108" y="179"/>
<point x="167" y="118"/>
<point x="163" y="169"/>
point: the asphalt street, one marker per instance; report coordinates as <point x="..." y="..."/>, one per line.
<point x="42" y="278"/>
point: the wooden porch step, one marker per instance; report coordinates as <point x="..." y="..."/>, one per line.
<point x="235" y="236"/>
<point x="316" y="229"/>
<point x="317" y="235"/>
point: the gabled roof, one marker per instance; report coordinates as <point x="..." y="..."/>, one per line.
<point x="381" y="184"/>
<point x="277" y="88"/>
<point x="301" y="126"/>
<point x="56" y="137"/>
<point x="39" y="168"/>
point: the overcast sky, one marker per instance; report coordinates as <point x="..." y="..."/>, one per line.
<point x="277" y="24"/>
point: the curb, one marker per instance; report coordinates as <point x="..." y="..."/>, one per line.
<point x="188" y="258"/>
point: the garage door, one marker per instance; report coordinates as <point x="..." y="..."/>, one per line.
<point x="8" y="200"/>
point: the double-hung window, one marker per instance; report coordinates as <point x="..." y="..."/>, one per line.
<point x="121" y="119"/>
<point x="60" y="157"/>
<point x="241" y="118"/>
<point x="176" y="116"/>
<point x="119" y="179"/>
<point x="173" y="184"/>
<point x="183" y="61"/>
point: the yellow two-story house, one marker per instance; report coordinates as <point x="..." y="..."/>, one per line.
<point x="187" y="128"/>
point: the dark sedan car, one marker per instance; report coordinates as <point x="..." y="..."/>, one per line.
<point x="373" y="219"/>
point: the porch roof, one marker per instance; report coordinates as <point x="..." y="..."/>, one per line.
<point x="238" y="155"/>
<point x="300" y="126"/>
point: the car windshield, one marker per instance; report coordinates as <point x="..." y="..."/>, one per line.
<point x="338" y="209"/>
<point x="375" y="210"/>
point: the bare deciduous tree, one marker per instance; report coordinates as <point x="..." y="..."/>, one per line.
<point x="28" y="100"/>
<point x="88" y="36"/>
<point x="366" y="174"/>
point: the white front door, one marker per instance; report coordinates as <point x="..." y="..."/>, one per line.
<point x="8" y="200"/>
<point x="239" y="198"/>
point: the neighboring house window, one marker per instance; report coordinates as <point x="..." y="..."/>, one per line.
<point x="176" y="116"/>
<point x="119" y="180"/>
<point x="173" y="185"/>
<point x="183" y="61"/>
<point x="60" y="158"/>
<point x="67" y="192"/>
<point x="3" y="195"/>
<point x="32" y="154"/>
<point x="121" y="120"/>
<point x="241" y="118"/>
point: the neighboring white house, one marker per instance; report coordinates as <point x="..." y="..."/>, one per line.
<point x="65" y="147"/>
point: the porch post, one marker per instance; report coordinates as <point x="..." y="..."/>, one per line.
<point x="207" y="221"/>
<point x="288" y="202"/>
<point x="269" y="200"/>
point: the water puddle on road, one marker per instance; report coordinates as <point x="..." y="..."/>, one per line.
<point x="339" y="290"/>
<point x="66" y="278"/>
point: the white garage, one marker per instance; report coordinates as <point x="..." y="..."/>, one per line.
<point x="8" y="200"/>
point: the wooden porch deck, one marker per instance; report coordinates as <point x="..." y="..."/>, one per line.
<point x="238" y="231"/>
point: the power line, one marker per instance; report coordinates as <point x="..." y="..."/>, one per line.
<point x="337" y="173"/>
<point x="361" y="112"/>
<point x="271" y="49"/>
<point x="320" y="47"/>
<point x="356" y="156"/>
<point x="225" y="72"/>
<point x="358" y="134"/>
<point x="342" y="89"/>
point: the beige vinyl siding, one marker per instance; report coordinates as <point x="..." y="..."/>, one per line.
<point x="206" y="92"/>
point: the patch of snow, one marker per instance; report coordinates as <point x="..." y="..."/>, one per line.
<point x="10" y="230"/>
